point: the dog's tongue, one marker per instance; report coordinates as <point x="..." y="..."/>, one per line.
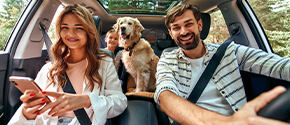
<point x="123" y="36"/>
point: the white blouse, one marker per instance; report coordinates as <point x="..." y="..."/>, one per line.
<point x="107" y="101"/>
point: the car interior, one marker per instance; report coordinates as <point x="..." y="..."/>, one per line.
<point x="25" y="52"/>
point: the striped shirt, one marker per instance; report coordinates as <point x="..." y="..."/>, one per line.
<point x="174" y="71"/>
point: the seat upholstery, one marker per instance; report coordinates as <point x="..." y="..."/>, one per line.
<point x="162" y="44"/>
<point x="138" y="113"/>
<point x="98" y="23"/>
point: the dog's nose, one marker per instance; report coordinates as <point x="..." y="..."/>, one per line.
<point x="123" y="28"/>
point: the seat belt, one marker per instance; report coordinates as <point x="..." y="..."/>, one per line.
<point x="208" y="72"/>
<point x="47" y="41"/>
<point x="81" y="114"/>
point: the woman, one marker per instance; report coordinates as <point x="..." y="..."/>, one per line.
<point x="91" y="72"/>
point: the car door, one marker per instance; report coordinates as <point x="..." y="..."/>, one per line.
<point x="24" y="53"/>
<point x="253" y="35"/>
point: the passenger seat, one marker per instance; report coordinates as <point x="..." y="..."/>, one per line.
<point x="162" y="44"/>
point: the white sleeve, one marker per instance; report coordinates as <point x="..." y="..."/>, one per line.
<point x="41" y="79"/>
<point x="113" y="102"/>
<point x="19" y="119"/>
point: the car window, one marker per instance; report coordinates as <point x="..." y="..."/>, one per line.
<point x="10" y="11"/>
<point x="51" y="30"/>
<point x="218" y="32"/>
<point x="275" y="19"/>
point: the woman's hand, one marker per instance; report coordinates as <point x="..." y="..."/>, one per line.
<point x="32" y="102"/>
<point x="65" y="102"/>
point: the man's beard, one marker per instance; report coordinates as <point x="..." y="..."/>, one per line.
<point x="190" y="45"/>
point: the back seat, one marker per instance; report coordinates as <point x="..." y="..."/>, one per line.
<point x="141" y="112"/>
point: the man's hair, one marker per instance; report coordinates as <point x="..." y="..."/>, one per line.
<point x="179" y="10"/>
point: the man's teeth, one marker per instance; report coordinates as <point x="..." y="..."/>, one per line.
<point x="186" y="38"/>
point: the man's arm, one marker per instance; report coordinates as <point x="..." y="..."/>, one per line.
<point x="261" y="62"/>
<point x="187" y="113"/>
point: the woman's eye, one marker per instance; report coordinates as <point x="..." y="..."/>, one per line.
<point x="63" y="28"/>
<point x="80" y="28"/>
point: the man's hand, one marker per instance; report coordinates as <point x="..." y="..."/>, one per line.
<point x="249" y="112"/>
<point x="185" y="112"/>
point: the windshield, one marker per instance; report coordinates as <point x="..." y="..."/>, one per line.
<point x="155" y="7"/>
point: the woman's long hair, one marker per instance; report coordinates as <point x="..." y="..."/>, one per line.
<point x="60" y="51"/>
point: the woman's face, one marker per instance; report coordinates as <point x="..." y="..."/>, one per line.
<point x="72" y="33"/>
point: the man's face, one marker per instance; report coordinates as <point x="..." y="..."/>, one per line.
<point x="185" y="30"/>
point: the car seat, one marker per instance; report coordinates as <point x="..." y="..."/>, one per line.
<point x="139" y="112"/>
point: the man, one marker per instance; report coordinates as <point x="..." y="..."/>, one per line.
<point x="223" y="98"/>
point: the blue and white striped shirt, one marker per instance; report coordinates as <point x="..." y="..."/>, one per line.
<point x="174" y="71"/>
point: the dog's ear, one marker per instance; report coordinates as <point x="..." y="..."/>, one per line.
<point x="138" y="26"/>
<point x="116" y="25"/>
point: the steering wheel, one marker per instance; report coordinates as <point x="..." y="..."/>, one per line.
<point x="279" y="108"/>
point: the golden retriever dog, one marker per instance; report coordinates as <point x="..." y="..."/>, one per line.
<point x="138" y="57"/>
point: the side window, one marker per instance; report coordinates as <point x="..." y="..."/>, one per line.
<point x="218" y="32"/>
<point x="153" y="34"/>
<point x="10" y="11"/>
<point x="51" y="31"/>
<point x="275" y="19"/>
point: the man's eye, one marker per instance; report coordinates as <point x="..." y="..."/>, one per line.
<point x="176" y="28"/>
<point x="189" y="24"/>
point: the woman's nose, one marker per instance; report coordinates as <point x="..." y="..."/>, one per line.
<point x="71" y="32"/>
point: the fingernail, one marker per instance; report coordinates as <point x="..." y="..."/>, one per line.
<point x="43" y="92"/>
<point x="31" y="94"/>
<point x="42" y="103"/>
<point x="43" y="100"/>
<point x="38" y="113"/>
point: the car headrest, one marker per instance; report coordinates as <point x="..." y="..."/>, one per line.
<point x="164" y="43"/>
<point x="206" y="20"/>
<point x="98" y="23"/>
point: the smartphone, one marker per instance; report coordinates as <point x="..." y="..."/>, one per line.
<point x="23" y="83"/>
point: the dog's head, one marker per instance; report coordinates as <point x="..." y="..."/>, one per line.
<point x="129" y="29"/>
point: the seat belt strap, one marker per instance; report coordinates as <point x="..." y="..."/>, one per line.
<point x="47" y="42"/>
<point x="81" y="114"/>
